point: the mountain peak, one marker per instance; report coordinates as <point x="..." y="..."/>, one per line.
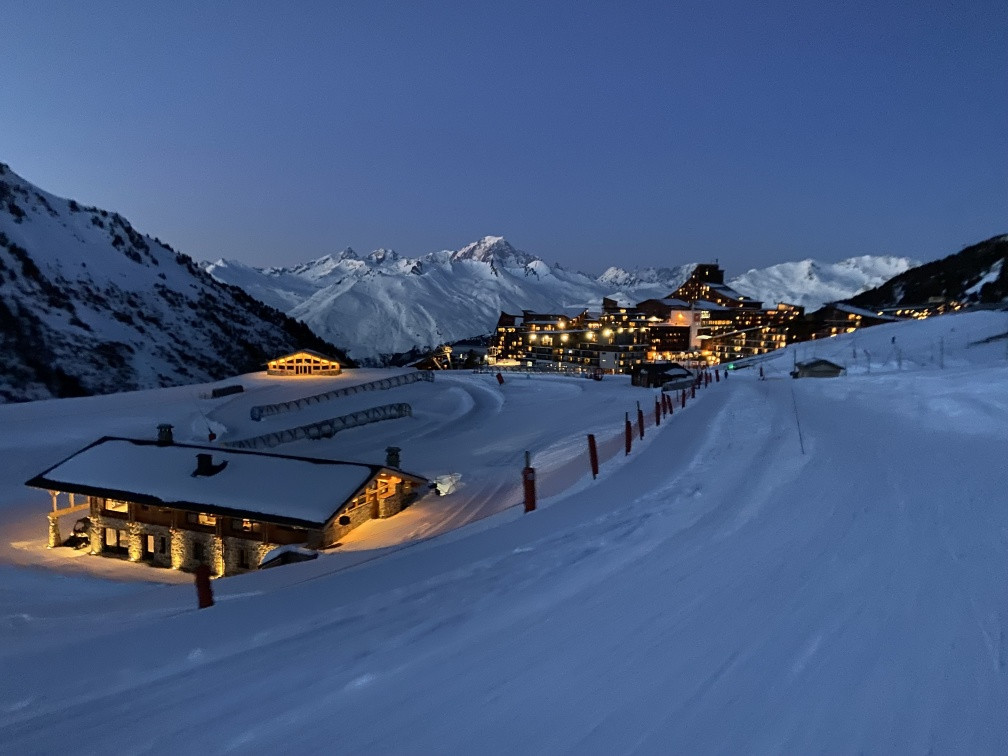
<point x="495" y="249"/>
<point x="382" y="256"/>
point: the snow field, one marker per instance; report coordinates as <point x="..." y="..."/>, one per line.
<point x="717" y="591"/>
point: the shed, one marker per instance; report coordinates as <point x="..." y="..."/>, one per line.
<point x="817" y="368"/>
<point x="658" y="374"/>
<point x="303" y="362"/>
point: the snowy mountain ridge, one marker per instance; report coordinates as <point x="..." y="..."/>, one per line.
<point x="385" y="303"/>
<point x="90" y="305"/>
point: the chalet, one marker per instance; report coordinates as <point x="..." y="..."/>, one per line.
<point x="303" y="362"/>
<point x="817" y="369"/>
<point x="180" y="505"/>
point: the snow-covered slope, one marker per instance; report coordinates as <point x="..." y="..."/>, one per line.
<point x="781" y="567"/>
<point x="384" y="304"/>
<point x="90" y="305"/>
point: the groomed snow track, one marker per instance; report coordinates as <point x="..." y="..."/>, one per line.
<point x="260" y="411"/>
<point x="324" y="428"/>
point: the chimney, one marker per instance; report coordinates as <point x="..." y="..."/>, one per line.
<point x="205" y="466"/>
<point x="392" y="456"/>
<point x="164" y="435"/>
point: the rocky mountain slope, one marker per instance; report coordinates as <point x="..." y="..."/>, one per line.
<point x="977" y="275"/>
<point x="383" y="303"/>
<point x="90" y="305"/>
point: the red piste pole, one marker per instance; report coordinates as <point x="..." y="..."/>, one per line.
<point x="593" y="455"/>
<point x="657" y="412"/>
<point x="204" y="593"/>
<point x="528" y="483"/>
<point x="629" y="433"/>
<point x="640" y="420"/>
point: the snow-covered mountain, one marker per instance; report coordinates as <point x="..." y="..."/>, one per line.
<point x="90" y="305"/>
<point x="384" y="303"/>
<point x="810" y="283"/>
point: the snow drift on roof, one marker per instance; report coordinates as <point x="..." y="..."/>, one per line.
<point x="287" y="487"/>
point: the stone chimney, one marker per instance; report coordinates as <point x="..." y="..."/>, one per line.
<point x="164" y="435"/>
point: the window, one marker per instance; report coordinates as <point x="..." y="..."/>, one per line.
<point x="246" y="526"/>
<point x="243" y="560"/>
<point x="115" y="541"/>
<point x="111" y="505"/>
<point x="199" y="552"/>
<point x="162" y="545"/>
<point x="200" y="519"/>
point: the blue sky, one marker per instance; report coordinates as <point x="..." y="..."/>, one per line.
<point x="589" y="133"/>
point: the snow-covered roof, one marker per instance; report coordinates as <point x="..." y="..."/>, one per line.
<point x="301" y="490"/>
<point x="818" y="361"/>
<point x="702" y="304"/>
<point x="671" y="302"/>
<point x="727" y="290"/>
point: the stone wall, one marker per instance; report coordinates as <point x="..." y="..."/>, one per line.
<point x="54" y="531"/>
<point x="254" y="552"/>
<point x="333" y="531"/>
<point x="158" y="531"/>
<point x="391" y="504"/>
<point x="184" y="543"/>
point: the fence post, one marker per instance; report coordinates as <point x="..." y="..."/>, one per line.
<point x="692" y="391"/>
<point x="640" y="420"/>
<point x="528" y="483"/>
<point x="657" y="412"/>
<point x="593" y="455"/>
<point x="684" y="398"/>
<point x="628" y="433"/>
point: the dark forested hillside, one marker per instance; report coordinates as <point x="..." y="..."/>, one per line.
<point x="977" y="274"/>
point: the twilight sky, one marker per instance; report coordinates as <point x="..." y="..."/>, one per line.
<point x="588" y="133"/>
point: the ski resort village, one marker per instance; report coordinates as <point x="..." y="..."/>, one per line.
<point x="671" y="518"/>
<point x="504" y="378"/>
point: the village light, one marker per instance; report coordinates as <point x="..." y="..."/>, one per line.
<point x="563" y="337"/>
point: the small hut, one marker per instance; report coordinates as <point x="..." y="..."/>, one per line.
<point x="659" y="374"/>
<point x="303" y="362"/>
<point x="817" y="368"/>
